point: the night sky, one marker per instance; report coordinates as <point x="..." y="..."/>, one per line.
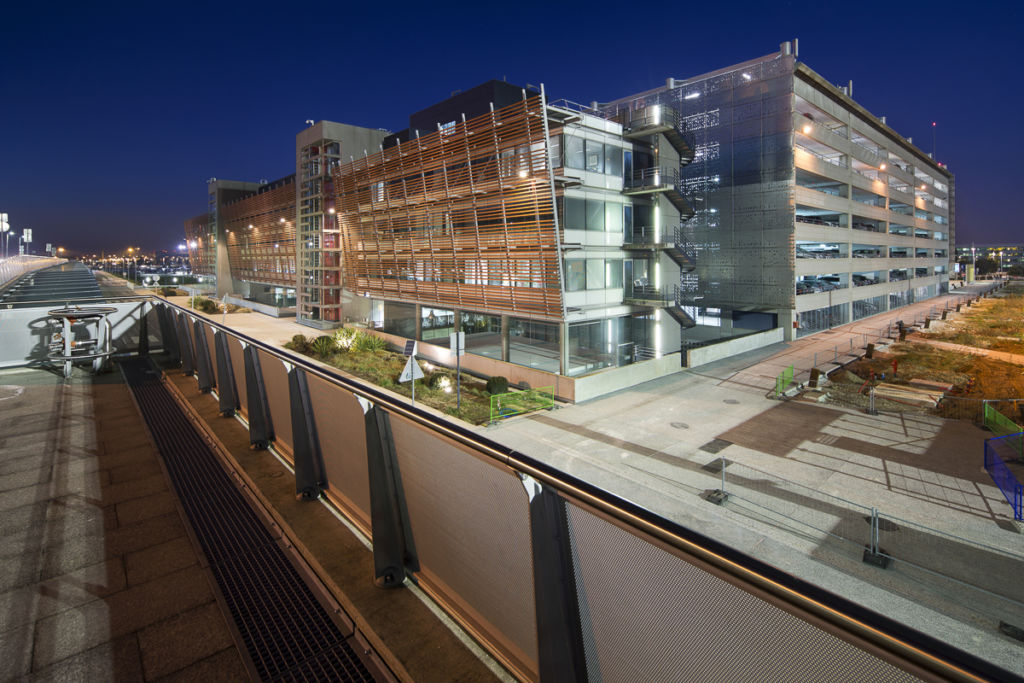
<point x="114" y="116"/>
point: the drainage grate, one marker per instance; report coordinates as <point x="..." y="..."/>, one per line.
<point x="288" y="634"/>
<point x="715" y="445"/>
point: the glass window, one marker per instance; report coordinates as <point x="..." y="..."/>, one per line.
<point x="595" y="273"/>
<point x="533" y="344"/>
<point x="483" y="334"/>
<point x="613" y="217"/>
<point x="400" y="319"/>
<point x="595" y="214"/>
<point x="575" y="215"/>
<point x="627" y="218"/>
<point x="555" y="148"/>
<point x="574" y="155"/>
<point x="436" y="324"/>
<point x="575" y="275"/>
<point x="613" y="273"/>
<point x="613" y="160"/>
<point x="595" y="156"/>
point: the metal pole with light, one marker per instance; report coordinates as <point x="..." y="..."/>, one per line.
<point x="5" y="228"/>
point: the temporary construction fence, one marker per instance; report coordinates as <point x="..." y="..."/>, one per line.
<point x="927" y="554"/>
<point x="999" y="424"/>
<point x="998" y="450"/>
<point x="783" y="381"/>
<point x="519" y="402"/>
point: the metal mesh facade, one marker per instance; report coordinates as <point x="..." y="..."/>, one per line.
<point x="462" y="217"/>
<point x="261" y="235"/>
<point x="740" y="183"/>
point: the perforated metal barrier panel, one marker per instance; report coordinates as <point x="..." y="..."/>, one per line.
<point x="648" y="615"/>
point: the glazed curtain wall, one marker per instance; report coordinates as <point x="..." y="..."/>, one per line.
<point x="261" y="235"/>
<point x="462" y="217"/>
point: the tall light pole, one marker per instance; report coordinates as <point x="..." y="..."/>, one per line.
<point x="5" y="229"/>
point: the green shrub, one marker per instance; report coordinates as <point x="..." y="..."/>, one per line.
<point x="497" y="385"/>
<point x="168" y="291"/>
<point x="323" y="346"/>
<point x="298" y="343"/>
<point x="365" y="341"/>
<point x="345" y="337"/>
<point x="441" y="380"/>
<point x="205" y="305"/>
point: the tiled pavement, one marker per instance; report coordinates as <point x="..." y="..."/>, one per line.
<point x="98" y="578"/>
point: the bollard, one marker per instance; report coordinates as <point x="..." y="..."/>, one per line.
<point x="815" y="376"/>
<point x="944" y="314"/>
<point x="870" y="351"/>
<point x="927" y="323"/>
<point x="871" y="402"/>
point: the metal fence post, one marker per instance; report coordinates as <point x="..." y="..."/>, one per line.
<point x="393" y="549"/>
<point x="723" y="475"/>
<point x="261" y="427"/>
<point x="560" y="652"/>
<point x="310" y="476"/>
<point x="169" y="333"/>
<point x="203" y="367"/>
<point x="188" y="367"/>
<point x="227" y="392"/>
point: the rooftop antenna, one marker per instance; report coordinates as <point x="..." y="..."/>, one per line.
<point x="933" y="139"/>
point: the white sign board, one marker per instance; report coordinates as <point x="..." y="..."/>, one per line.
<point x="26" y="235"/>
<point x="457" y="343"/>
<point x="412" y="371"/>
<point x="49" y="248"/>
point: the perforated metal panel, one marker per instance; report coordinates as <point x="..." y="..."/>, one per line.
<point x="275" y="378"/>
<point x="651" y="616"/>
<point x="471" y="526"/>
<point x="339" y="422"/>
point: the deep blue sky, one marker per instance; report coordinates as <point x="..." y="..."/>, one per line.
<point x="113" y="116"/>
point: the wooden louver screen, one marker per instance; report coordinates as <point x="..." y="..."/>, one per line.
<point x="462" y="217"/>
<point x="266" y="251"/>
<point x="200" y="244"/>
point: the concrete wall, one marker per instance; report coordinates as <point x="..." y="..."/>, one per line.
<point x="709" y="354"/>
<point x="614" y="379"/>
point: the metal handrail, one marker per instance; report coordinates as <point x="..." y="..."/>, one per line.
<point x="653" y="176"/>
<point x="654" y="115"/>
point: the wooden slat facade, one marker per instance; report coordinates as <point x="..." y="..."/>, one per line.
<point x="462" y="217"/>
<point x="261" y="235"/>
<point x="201" y="257"/>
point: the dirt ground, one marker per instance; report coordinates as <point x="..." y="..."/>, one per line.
<point x="995" y="323"/>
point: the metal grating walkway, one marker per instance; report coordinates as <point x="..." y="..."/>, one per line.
<point x="288" y="634"/>
<point x="66" y="282"/>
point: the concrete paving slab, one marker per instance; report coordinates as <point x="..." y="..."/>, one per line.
<point x="67" y="609"/>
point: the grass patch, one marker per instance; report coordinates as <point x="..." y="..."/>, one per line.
<point x="365" y="355"/>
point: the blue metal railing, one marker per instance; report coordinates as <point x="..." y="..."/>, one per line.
<point x="1001" y="474"/>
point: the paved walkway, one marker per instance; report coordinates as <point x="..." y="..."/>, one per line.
<point x="98" y="578"/>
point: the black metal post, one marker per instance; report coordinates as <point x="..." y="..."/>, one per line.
<point x="393" y="548"/>
<point x="310" y="477"/>
<point x="188" y="365"/>
<point x="204" y="370"/>
<point x="261" y="427"/>
<point x="227" y="392"/>
<point x="561" y="656"/>
<point x="168" y="334"/>
<point x="143" y="330"/>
